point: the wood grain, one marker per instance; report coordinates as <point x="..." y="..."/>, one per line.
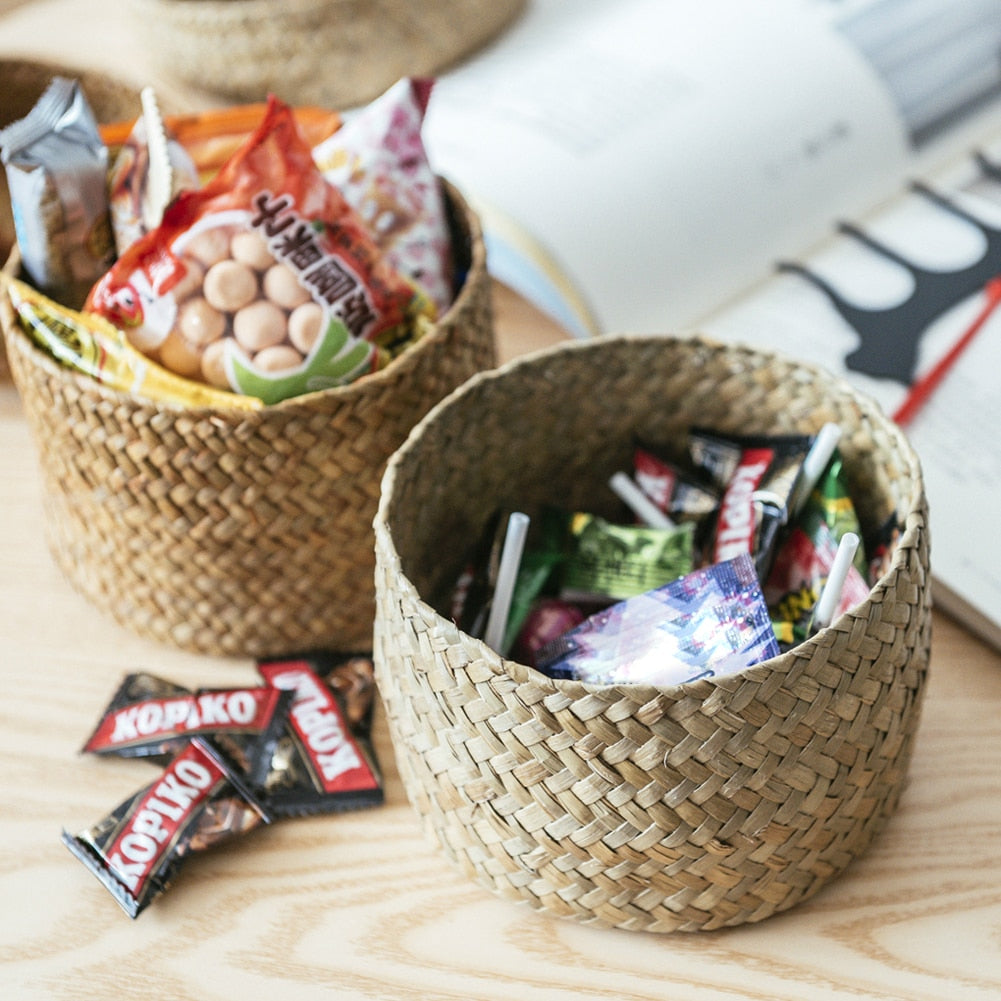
<point x="364" y="905"/>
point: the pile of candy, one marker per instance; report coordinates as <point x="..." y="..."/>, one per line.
<point x="733" y="553"/>
<point x="263" y="252"/>
<point x="233" y="759"/>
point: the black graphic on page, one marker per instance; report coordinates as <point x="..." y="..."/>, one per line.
<point x="889" y="338"/>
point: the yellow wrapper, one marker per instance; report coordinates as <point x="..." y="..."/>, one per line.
<point x="97" y="348"/>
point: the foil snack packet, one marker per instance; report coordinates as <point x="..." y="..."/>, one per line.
<point x="56" y="164"/>
<point x="800" y="570"/>
<point x="710" y="622"/>
<point x="676" y="491"/>
<point x="198" y="802"/>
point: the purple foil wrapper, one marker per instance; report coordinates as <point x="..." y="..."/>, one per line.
<point x="710" y="622"/>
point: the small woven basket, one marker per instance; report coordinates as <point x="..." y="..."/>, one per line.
<point x="709" y="804"/>
<point x="225" y="531"/>
<point x="335" y="53"/>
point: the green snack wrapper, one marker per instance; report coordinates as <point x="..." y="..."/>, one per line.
<point x="610" y="562"/>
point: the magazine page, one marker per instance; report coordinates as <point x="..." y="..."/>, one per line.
<point x="636" y="162"/>
<point x="906" y="305"/>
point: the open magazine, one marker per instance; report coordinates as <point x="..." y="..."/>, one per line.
<point x="818" y="177"/>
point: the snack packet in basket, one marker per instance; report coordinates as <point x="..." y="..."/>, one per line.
<point x="151" y="167"/>
<point x="264" y="281"/>
<point x="199" y="801"/>
<point x="609" y="562"/>
<point x="757" y="475"/>
<point x="56" y="165"/>
<point x="96" y="348"/>
<point x="801" y="568"/>
<point x="211" y="136"/>
<point x="676" y="491"/>
<point x="378" y="161"/>
<point x="710" y="622"/>
<point x="153" y="718"/>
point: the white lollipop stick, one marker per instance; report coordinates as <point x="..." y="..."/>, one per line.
<point x="814" y="465"/>
<point x="831" y="593"/>
<point x="507" y="573"/>
<point x="639" y="503"/>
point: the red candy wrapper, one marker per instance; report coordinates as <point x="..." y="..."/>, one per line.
<point x="198" y="802"/>
<point x="150" y="717"/>
<point x="801" y="567"/>
<point x="325" y="762"/>
<point x="756" y="475"/>
<point x="265" y="281"/>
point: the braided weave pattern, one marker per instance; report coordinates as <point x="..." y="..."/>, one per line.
<point x="333" y="53"/>
<point x="231" y="532"/>
<point x="694" y="807"/>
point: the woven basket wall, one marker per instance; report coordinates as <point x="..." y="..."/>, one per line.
<point x="23" y="82"/>
<point x="335" y="53"/>
<point x="694" y="807"/>
<point x="232" y="532"/>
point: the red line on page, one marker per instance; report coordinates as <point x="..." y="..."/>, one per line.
<point x="922" y="390"/>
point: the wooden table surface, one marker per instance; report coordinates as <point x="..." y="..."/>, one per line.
<point x="363" y="905"/>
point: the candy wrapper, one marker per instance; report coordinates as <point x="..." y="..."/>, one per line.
<point x="799" y="572"/>
<point x="325" y="762"/>
<point x="710" y="622"/>
<point x="379" y="163"/>
<point x="264" y="281"/>
<point x="56" y="164"/>
<point x="832" y="502"/>
<point x="198" y="802"/>
<point x="756" y="475"/>
<point x="153" y="718"/>
<point x="94" y="347"/>
<point x="610" y="561"/>
<point x="676" y="491"/>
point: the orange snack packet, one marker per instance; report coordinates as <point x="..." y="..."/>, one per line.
<point x="212" y="137"/>
<point x="264" y="281"/>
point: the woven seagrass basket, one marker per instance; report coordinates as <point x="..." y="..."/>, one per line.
<point x="225" y="531"/>
<point x="24" y="81"/>
<point x="699" y="806"/>
<point x="335" y="53"/>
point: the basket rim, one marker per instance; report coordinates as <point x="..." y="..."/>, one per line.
<point x="398" y="367"/>
<point x="913" y="527"/>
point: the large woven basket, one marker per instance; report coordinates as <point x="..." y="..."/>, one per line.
<point x="335" y="53"/>
<point x="705" y="805"/>
<point x="232" y="532"/>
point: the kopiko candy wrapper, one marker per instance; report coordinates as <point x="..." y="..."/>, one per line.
<point x="151" y="717"/>
<point x="710" y="622"/>
<point x="198" y="801"/>
<point x="756" y="474"/>
<point x="325" y="761"/>
<point x="265" y="281"/>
